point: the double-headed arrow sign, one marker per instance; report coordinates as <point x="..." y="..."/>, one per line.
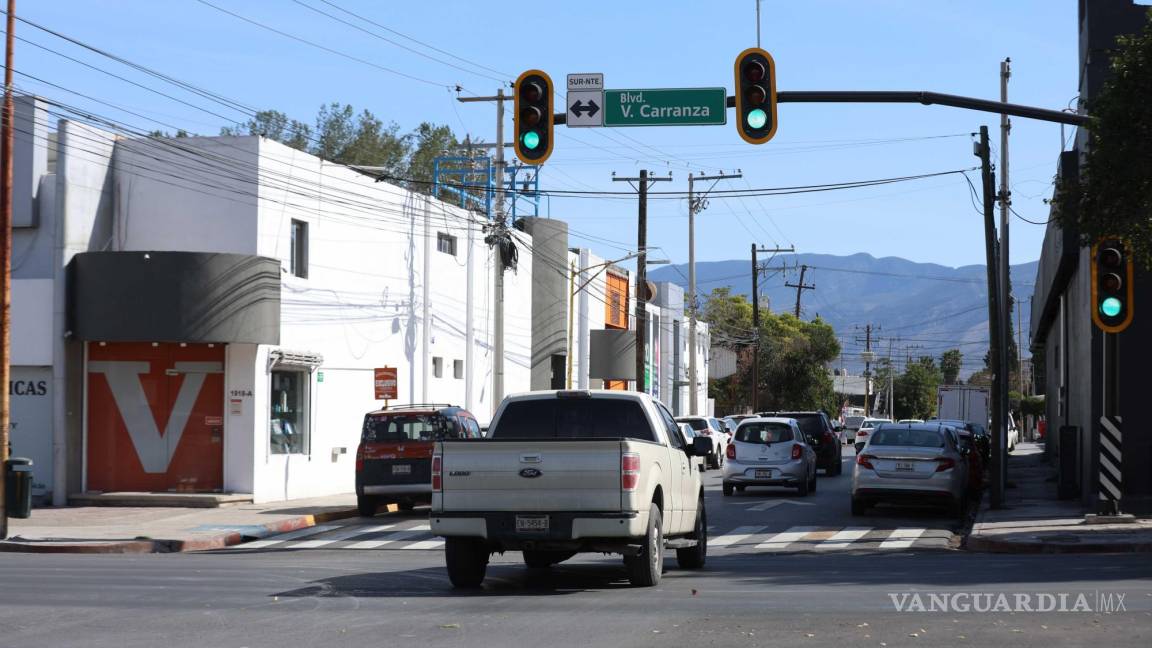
<point x="579" y="108"/>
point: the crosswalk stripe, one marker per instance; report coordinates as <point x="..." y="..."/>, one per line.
<point x="395" y="536"/>
<point x="782" y="540"/>
<point x="426" y="544"/>
<point x="739" y="534"/>
<point x="902" y="538"/>
<point x="844" y="537"/>
<point x="291" y="535"/>
<point x="346" y="534"/>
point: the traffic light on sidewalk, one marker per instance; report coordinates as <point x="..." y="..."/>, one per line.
<point x="533" y="117"/>
<point x="1111" y="285"/>
<point x="755" y="95"/>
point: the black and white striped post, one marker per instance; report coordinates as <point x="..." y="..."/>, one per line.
<point x="1111" y="464"/>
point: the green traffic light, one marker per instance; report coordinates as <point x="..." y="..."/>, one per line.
<point x="531" y="140"/>
<point x="757" y="118"/>
<point x="1110" y="307"/>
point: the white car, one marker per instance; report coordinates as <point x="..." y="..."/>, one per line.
<point x="703" y="426"/>
<point x="866" y="427"/>
<point x="770" y="451"/>
<point x="919" y="462"/>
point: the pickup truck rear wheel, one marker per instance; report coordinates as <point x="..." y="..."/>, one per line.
<point x="467" y="561"/>
<point x="646" y="568"/>
<point x="366" y="505"/>
<point x="695" y="557"/>
<point x="727" y="488"/>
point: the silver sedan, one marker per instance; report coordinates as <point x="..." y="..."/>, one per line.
<point x="918" y="462"/>
<point x="769" y="451"/>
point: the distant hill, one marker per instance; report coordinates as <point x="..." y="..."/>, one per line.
<point x="928" y="307"/>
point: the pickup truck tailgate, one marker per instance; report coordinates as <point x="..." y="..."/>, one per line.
<point x="553" y="475"/>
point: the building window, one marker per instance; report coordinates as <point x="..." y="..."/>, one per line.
<point x="288" y="427"/>
<point x="446" y="243"/>
<point x="437" y="367"/>
<point x="299" y="260"/>
<point x="458" y="369"/>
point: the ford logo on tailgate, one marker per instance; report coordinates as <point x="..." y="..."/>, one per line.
<point x="530" y="473"/>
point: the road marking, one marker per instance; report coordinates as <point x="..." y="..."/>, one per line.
<point x="782" y="540"/>
<point x="425" y="544"/>
<point x="395" y="536"/>
<point x="773" y="504"/>
<point x="843" y="538"/>
<point x="347" y="533"/>
<point x="291" y="535"/>
<point x="739" y="534"/>
<point x="902" y="538"/>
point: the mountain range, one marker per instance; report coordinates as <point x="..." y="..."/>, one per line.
<point x="916" y="308"/>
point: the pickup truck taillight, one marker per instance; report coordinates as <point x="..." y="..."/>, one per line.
<point x="796" y="450"/>
<point x="629" y="471"/>
<point x="437" y="474"/>
<point x="731" y="451"/>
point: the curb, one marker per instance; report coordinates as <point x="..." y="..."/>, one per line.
<point x="988" y="545"/>
<point x="180" y="545"/>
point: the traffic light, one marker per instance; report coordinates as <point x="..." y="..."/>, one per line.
<point x="1111" y="285"/>
<point x="755" y="95"/>
<point x="533" y="117"/>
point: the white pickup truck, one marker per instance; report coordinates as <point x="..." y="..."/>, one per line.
<point x="568" y="472"/>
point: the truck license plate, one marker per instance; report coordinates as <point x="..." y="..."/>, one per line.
<point x="905" y="466"/>
<point x="401" y="469"/>
<point x="531" y="523"/>
<point x="763" y="474"/>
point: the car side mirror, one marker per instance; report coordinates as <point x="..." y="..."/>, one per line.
<point x="701" y="447"/>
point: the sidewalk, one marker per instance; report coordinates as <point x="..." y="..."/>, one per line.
<point x="154" y="529"/>
<point x="1034" y="521"/>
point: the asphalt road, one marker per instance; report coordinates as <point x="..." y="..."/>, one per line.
<point x="815" y="592"/>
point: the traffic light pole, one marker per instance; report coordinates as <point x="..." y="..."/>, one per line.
<point x="696" y="204"/>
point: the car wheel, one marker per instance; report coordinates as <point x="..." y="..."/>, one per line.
<point x="646" y="567"/>
<point x="713" y="461"/>
<point x="802" y="489"/>
<point x="812" y="485"/>
<point x="366" y="505"/>
<point x="544" y="559"/>
<point x="740" y="489"/>
<point x="839" y="462"/>
<point x="467" y="561"/>
<point x="695" y="557"/>
<point x="859" y="507"/>
<point x="727" y="488"/>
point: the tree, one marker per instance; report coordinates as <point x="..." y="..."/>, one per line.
<point x="274" y="125"/>
<point x="1114" y="196"/>
<point x="793" y="364"/>
<point x="432" y="141"/>
<point x="950" y="363"/>
<point x="729" y="319"/>
<point x="916" y="389"/>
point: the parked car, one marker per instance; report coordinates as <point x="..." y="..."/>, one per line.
<point x="564" y="472"/>
<point x="703" y="427"/>
<point x="821" y="436"/>
<point x="866" y="427"/>
<point x="969" y="442"/>
<point x="770" y="452"/>
<point x="688" y="433"/>
<point x="722" y="428"/>
<point x="394" y="457"/>
<point x="919" y="462"/>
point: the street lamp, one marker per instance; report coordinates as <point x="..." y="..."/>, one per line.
<point x="573" y="290"/>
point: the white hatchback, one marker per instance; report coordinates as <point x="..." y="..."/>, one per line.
<point x="769" y="451"/>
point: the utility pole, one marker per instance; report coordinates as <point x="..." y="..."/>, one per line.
<point x="867" y="365"/>
<point x="891" y="382"/>
<point x="756" y="319"/>
<point x="988" y="184"/>
<point x="6" y="154"/>
<point x="800" y="288"/>
<point x="1005" y="266"/>
<point x="497" y="239"/>
<point x="696" y="204"/>
<point x="642" y="274"/>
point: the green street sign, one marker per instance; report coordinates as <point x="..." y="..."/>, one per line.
<point x="666" y="107"/>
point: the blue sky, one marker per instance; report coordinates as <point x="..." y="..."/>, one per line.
<point x="945" y="46"/>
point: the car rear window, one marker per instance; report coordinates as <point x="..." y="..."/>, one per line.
<point x="906" y="437"/>
<point x="853" y="421"/>
<point x="764" y="433"/>
<point x="584" y="418"/>
<point x="381" y="428"/>
<point x="810" y="424"/>
<point x="697" y="424"/>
